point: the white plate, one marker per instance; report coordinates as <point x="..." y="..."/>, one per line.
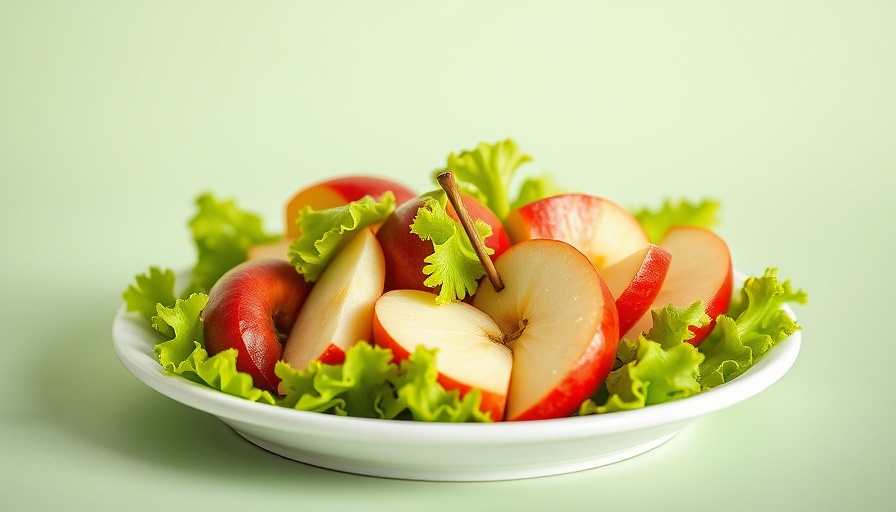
<point x="443" y="451"/>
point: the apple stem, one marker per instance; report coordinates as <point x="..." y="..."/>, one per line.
<point x="449" y="185"/>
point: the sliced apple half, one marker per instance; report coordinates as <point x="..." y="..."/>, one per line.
<point x="598" y="227"/>
<point x="339" y="310"/>
<point x="635" y="281"/>
<point x="470" y="349"/>
<point x="559" y="320"/>
<point x="701" y="269"/>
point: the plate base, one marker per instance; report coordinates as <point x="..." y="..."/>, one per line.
<point x="453" y="474"/>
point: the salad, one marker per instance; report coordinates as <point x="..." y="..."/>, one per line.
<point x="467" y="303"/>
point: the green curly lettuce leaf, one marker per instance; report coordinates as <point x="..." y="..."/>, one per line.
<point x="184" y="353"/>
<point x="359" y="387"/>
<point x="153" y="287"/>
<point x="369" y="385"/>
<point x="324" y="232"/>
<point x="223" y="234"/>
<point x="418" y="389"/>
<point x="737" y="343"/>
<point x="486" y="173"/>
<point x="453" y="266"/>
<point x="663" y="368"/>
<point x="682" y="213"/>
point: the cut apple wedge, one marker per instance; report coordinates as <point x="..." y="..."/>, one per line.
<point x="470" y="349"/>
<point x="601" y="229"/>
<point x="559" y="321"/>
<point x="635" y="282"/>
<point x="701" y="269"/>
<point x="339" y="310"/>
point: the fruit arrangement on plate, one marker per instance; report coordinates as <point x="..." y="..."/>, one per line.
<point x="462" y="303"/>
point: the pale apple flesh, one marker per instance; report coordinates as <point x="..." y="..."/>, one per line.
<point x="339" y="310"/>
<point x="252" y="309"/>
<point x="601" y="229"/>
<point x="560" y="323"/>
<point x="470" y="352"/>
<point x="635" y="281"/>
<point x="701" y="269"/>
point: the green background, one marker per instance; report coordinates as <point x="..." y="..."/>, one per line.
<point x="115" y="115"/>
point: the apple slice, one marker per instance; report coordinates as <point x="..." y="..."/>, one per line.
<point x="635" y="282"/>
<point x="598" y="227"/>
<point x="559" y="320"/>
<point x="470" y="354"/>
<point x="252" y="308"/>
<point x="339" y="310"/>
<point x="701" y="270"/>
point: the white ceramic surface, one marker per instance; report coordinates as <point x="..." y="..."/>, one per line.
<point x="445" y="452"/>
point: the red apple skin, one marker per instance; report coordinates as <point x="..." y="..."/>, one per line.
<point x="716" y="306"/>
<point x="638" y="296"/>
<point x="596" y="226"/>
<point x="339" y="192"/>
<point x="492" y="404"/>
<point x="404" y="251"/>
<point x="333" y="355"/>
<point x="252" y="308"/>
<point x="587" y="375"/>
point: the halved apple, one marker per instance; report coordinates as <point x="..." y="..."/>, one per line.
<point x="601" y="229"/>
<point x="470" y="349"/>
<point x="339" y="310"/>
<point x="555" y="316"/>
<point x="635" y="281"/>
<point x="701" y="269"/>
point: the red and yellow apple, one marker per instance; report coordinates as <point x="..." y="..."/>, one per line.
<point x="324" y="195"/>
<point x="338" y="192"/>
